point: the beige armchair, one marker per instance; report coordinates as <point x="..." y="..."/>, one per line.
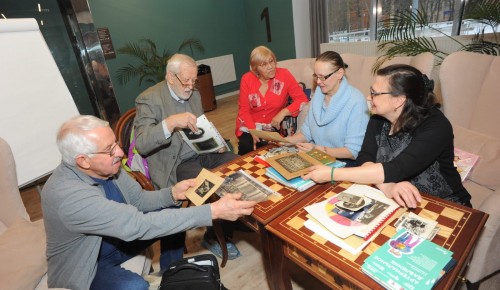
<point x="23" y="262"/>
<point x="470" y="84"/>
<point x="359" y="73"/>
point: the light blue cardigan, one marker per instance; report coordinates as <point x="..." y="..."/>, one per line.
<point x="341" y="124"/>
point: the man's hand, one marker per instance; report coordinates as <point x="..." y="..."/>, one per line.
<point x="230" y="207"/>
<point x="183" y="120"/>
<point x="179" y="190"/>
<point x="404" y="193"/>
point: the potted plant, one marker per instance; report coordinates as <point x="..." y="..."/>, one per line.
<point x="152" y="65"/>
<point x="400" y="34"/>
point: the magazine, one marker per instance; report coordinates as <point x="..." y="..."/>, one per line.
<point x="360" y="210"/>
<point x="407" y="261"/>
<point x="464" y="162"/>
<point x="206" y="140"/>
<point x="251" y="188"/>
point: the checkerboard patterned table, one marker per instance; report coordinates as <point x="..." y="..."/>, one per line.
<point x="460" y="228"/>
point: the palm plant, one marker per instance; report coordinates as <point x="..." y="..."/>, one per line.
<point x="152" y="65"/>
<point x="401" y="33"/>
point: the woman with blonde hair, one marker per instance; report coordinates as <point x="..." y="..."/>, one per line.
<point x="264" y="98"/>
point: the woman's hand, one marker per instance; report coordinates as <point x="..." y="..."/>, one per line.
<point x="305" y="146"/>
<point x="255" y="141"/>
<point x="404" y="193"/>
<point x="276" y="121"/>
<point x="319" y="173"/>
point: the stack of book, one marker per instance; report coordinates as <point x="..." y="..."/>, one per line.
<point x="280" y="159"/>
<point x="297" y="183"/>
<point x="407" y="261"/>
<point x="352" y="218"/>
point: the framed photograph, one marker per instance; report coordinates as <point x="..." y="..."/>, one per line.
<point x="251" y="188"/>
<point x="206" y="184"/>
<point x="293" y="164"/>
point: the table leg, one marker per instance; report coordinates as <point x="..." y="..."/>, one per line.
<point x="221" y="239"/>
<point x="275" y="264"/>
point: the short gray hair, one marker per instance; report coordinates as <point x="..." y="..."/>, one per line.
<point x="175" y="61"/>
<point x="73" y="139"/>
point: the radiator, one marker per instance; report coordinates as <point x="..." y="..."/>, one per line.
<point x="222" y="68"/>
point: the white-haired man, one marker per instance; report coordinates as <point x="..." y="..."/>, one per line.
<point x="163" y="110"/>
<point x="97" y="217"/>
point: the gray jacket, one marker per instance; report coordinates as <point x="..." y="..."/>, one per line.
<point x="77" y="214"/>
<point x="153" y="106"/>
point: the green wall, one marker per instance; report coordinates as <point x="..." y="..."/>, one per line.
<point x="223" y="26"/>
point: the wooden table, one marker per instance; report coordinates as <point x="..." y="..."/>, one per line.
<point x="339" y="269"/>
<point x="264" y="212"/>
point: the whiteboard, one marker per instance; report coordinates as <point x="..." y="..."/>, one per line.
<point x="34" y="99"/>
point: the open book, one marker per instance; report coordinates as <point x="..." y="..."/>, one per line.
<point x="206" y="140"/>
<point x="464" y="162"/>
<point x="359" y="210"/>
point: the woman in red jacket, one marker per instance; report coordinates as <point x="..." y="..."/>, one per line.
<point x="263" y="102"/>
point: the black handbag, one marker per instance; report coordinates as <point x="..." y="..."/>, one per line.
<point x="198" y="272"/>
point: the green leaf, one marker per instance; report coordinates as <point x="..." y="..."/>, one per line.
<point x="150" y="66"/>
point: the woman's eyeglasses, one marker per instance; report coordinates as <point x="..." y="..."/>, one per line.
<point x="271" y="63"/>
<point x="324" y="78"/>
<point x="374" y="94"/>
<point x="193" y="83"/>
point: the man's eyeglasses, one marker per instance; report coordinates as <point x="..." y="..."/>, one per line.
<point x="374" y="94"/>
<point x="324" y="78"/>
<point x="271" y="62"/>
<point x="193" y="83"/>
<point x="111" y="151"/>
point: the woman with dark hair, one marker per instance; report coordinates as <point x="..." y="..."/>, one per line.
<point x="408" y="145"/>
<point x="263" y="102"/>
<point x="338" y="114"/>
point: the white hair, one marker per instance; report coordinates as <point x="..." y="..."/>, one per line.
<point x="175" y="61"/>
<point x="73" y="139"/>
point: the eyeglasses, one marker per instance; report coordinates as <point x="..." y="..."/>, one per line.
<point x="271" y="63"/>
<point x="111" y="151"/>
<point x="194" y="82"/>
<point x="374" y="94"/>
<point x="324" y="78"/>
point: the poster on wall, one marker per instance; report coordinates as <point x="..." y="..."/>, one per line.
<point x="106" y="43"/>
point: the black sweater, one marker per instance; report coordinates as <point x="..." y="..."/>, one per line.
<point x="423" y="156"/>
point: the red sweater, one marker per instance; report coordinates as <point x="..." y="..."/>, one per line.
<point x="254" y="107"/>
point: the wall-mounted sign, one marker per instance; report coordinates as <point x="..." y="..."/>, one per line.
<point x="106" y="43"/>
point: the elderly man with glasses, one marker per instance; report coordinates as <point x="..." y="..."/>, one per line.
<point x="164" y="110"/>
<point x="97" y="217"/>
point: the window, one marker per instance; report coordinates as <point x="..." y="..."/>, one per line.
<point x="352" y="20"/>
<point x="349" y="21"/>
